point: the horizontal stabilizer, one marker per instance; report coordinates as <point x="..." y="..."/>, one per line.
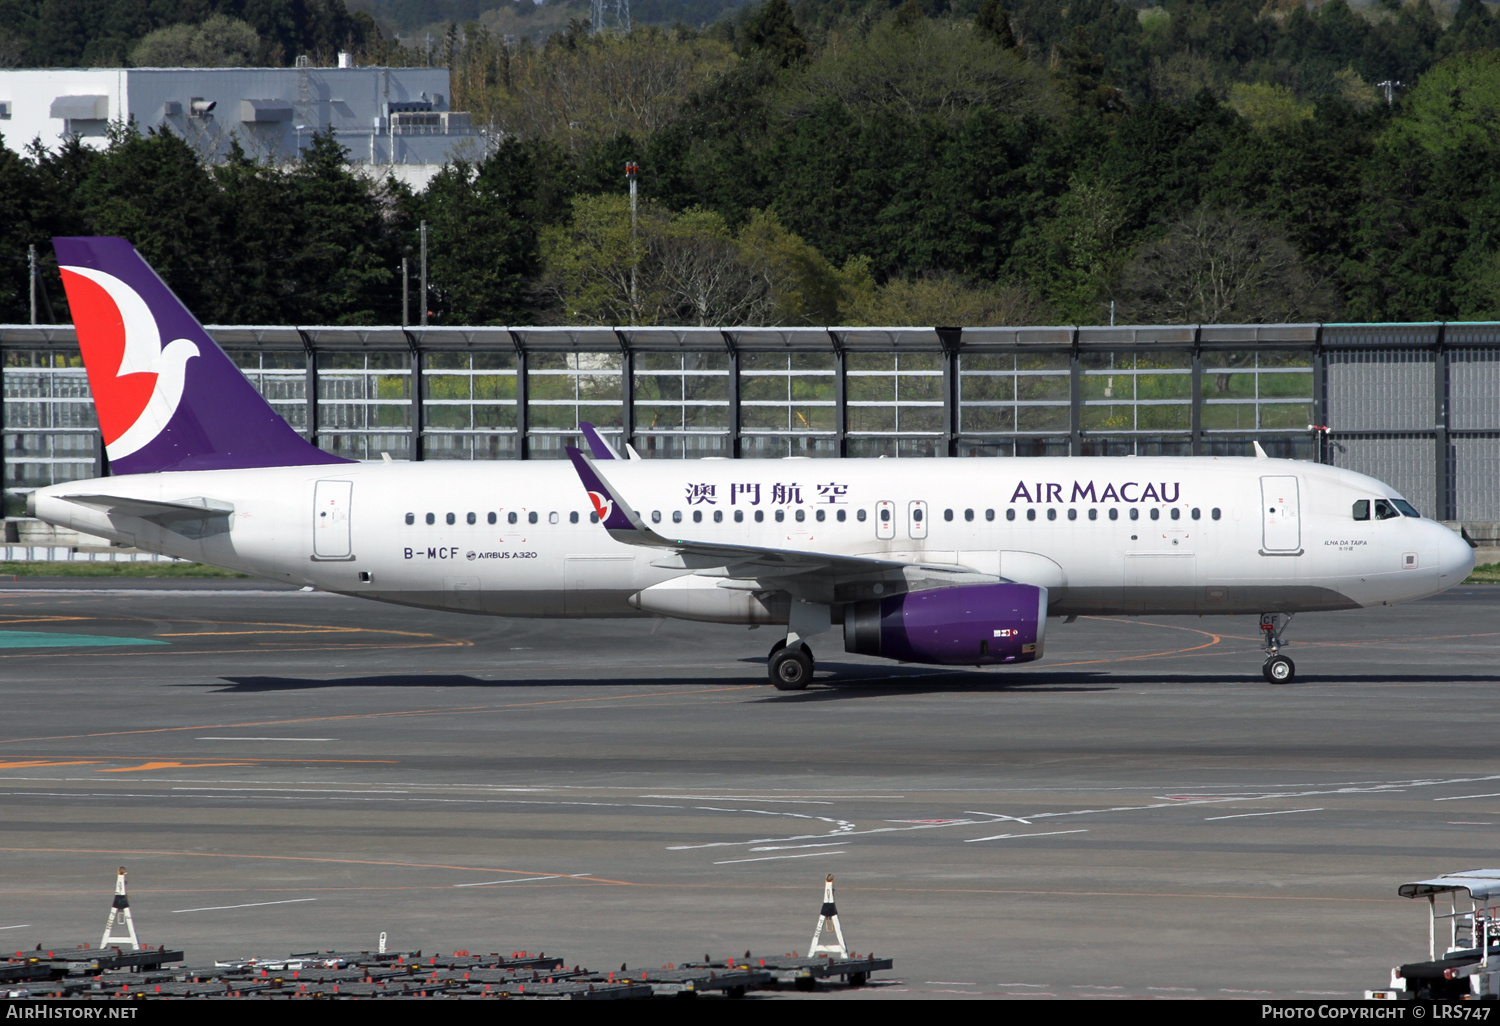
<point x="153" y="510"/>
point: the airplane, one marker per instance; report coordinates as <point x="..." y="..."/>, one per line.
<point x="936" y="561"/>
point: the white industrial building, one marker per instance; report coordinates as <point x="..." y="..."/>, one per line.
<point x="386" y="117"/>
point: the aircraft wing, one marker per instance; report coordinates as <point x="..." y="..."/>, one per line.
<point x="791" y="569"/>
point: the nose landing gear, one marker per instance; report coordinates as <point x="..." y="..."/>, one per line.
<point x="1278" y="669"/>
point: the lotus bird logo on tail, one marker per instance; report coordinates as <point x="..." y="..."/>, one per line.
<point x="137" y="398"/>
<point x="602" y="505"/>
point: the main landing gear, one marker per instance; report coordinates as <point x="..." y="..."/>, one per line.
<point x="790" y="668"/>
<point x="1278" y="669"/>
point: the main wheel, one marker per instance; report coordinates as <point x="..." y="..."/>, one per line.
<point x="790" y="669"/>
<point x="1279" y="670"/>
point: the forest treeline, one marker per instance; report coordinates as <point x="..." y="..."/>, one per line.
<point x="863" y="163"/>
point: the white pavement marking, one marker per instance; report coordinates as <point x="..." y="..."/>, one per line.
<point x="253" y="904"/>
<point x="1461" y="797"/>
<point x="788" y="847"/>
<point x="265" y="739"/>
<point x="294" y="790"/>
<point x="525" y="879"/>
<point x="773" y="858"/>
<point x="1002" y="837"/>
<point x="19" y="926"/>
<point x="1248" y="815"/>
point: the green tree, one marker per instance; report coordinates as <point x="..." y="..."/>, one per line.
<point x="993" y="23"/>
<point x="773" y="30"/>
<point x="219" y="42"/>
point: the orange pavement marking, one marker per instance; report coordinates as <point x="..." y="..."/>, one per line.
<point x="33" y="763"/>
<point x="169" y="765"/>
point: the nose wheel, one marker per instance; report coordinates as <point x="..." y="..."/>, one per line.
<point x="1278" y="669"/>
<point x="789" y="667"/>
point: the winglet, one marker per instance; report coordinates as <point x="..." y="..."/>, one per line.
<point x="597" y="445"/>
<point x="613" y="512"/>
<point x="1260" y="453"/>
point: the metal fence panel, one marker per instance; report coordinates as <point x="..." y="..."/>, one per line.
<point x="1477" y="477"/>
<point x="1474" y="389"/>
<point x="1380" y="390"/>
<point x="1405" y="462"/>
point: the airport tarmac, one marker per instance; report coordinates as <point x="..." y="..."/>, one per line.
<point x="1139" y="815"/>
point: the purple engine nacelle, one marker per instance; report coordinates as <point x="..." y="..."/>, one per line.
<point x="972" y="625"/>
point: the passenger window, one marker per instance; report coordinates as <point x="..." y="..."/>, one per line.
<point x="472" y="518"/>
<point x="411" y="518"/>
<point x="916" y="514"/>
<point x="840" y="516"/>
<point x="1197" y="513"/>
<point x="801" y="515"/>
<point x="1072" y="514"/>
<point x="431" y="519"/>
<point x="1010" y="514"/>
<point x="948" y="515"/>
<point x="780" y="515"/>
<point x="1155" y="513"/>
<point x="1135" y="514"/>
<point x="1362" y="509"/>
<point x="1031" y="514"/>
<point x="531" y="517"/>
<point x="1093" y="514"/>
<point x="859" y="515"/>
<point x="821" y="516"/>
<point x="593" y="518"/>
<point x="1114" y="513"/>
<point x="656" y="516"/>
<point x="885" y="516"/>
<point x="968" y="514"/>
<point x="573" y="517"/>
<point x="490" y="517"/>
<point x="718" y="516"/>
<point x="1051" y="514"/>
<point x="1384" y="510"/>
<point x="760" y="515"/>
<point x="552" y="518"/>
<point x="510" y="518"/>
<point x="1215" y="513"/>
<point x="1176" y="513"/>
<point x="989" y="514"/>
<point x="697" y="516"/>
<point x="739" y="516"/>
<point x="451" y="518"/>
<point x="677" y="516"/>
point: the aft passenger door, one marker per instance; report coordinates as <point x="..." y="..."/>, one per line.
<point x="331" y="502"/>
<point x="1280" y="511"/>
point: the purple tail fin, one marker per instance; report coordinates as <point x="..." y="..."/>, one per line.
<point x="597" y="445"/>
<point x="167" y="396"/>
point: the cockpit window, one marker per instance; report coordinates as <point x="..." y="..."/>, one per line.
<point x="1406" y="508"/>
<point x="1362" y="509"/>
<point x="1384" y="510"/>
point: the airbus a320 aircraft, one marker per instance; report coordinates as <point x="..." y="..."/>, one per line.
<point x="935" y="561"/>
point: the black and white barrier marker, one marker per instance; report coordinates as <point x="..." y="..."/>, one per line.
<point x="120" y="911"/>
<point x="828" y="918"/>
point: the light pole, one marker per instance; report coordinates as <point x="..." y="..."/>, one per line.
<point x="630" y="171"/>
<point x="300" y="130"/>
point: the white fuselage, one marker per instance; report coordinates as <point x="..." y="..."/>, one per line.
<point x="1104" y="535"/>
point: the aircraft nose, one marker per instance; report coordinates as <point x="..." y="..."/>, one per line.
<point x="1454" y="557"/>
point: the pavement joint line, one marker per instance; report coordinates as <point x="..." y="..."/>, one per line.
<point x="1006" y="837"/>
<point x="1249" y="815"/>
<point x="455" y="710"/>
<point x="253" y="904"/>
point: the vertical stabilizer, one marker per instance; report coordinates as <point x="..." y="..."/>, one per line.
<point x="167" y="396"/>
